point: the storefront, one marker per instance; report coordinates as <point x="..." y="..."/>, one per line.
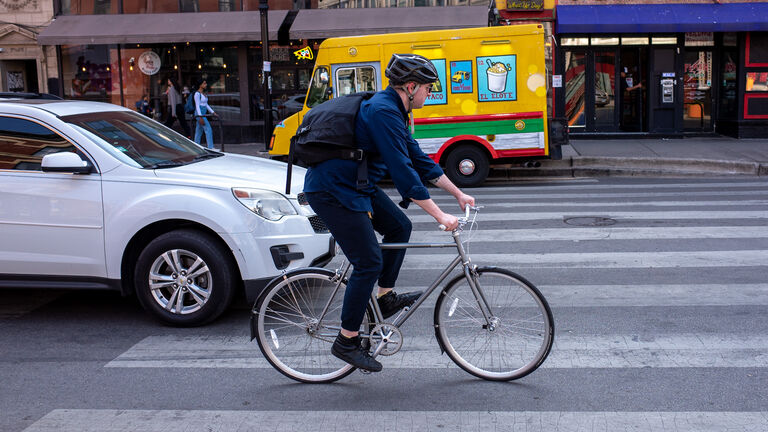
<point x="664" y="70"/>
<point x="109" y="58"/>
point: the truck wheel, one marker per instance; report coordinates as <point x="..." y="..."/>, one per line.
<point x="467" y="166"/>
<point x="184" y="278"/>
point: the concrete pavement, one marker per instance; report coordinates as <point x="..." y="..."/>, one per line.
<point x="684" y="157"/>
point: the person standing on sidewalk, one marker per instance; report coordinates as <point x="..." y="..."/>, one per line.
<point x="354" y="213"/>
<point x="201" y="109"/>
<point x="175" y="107"/>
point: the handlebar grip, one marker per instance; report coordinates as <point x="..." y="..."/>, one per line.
<point x="442" y="227"/>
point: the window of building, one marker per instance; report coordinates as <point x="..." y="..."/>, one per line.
<point x="574" y="41"/>
<point x="23" y="143"/>
<point x="89" y="7"/>
<point x="150" y="6"/>
<point x="605" y="40"/>
<point x="700" y="39"/>
<point x="90" y="72"/>
<point x="664" y="40"/>
<point x="634" y="40"/>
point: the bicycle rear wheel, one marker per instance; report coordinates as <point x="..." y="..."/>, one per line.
<point x="288" y="329"/>
<point x="519" y="337"/>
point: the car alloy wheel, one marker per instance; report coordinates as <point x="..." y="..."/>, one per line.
<point x="180" y="281"/>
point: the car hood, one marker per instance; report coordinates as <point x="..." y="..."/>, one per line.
<point x="233" y="170"/>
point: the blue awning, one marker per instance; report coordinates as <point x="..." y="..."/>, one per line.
<point x="662" y="18"/>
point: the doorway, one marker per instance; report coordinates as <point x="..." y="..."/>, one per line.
<point x="590" y="90"/>
<point x="697" y="101"/>
<point x="19" y="76"/>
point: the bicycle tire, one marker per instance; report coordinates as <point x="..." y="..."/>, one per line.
<point x="509" y="350"/>
<point x="284" y="312"/>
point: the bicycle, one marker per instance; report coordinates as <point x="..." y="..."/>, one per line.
<point x="491" y="322"/>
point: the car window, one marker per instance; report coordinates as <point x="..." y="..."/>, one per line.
<point x="23" y="143"/>
<point x="144" y="141"/>
<point x="355" y="79"/>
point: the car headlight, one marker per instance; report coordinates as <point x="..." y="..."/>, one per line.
<point x="267" y="204"/>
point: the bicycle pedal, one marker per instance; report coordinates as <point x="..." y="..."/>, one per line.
<point x="364" y="372"/>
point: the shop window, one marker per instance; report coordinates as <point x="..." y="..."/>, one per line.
<point x="700" y="39"/>
<point x="355" y="79"/>
<point x="728" y="106"/>
<point x="664" y="40"/>
<point x="90" y="72"/>
<point x="150" y="6"/>
<point x="574" y="41"/>
<point x="605" y="41"/>
<point x="634" y="40"/>
<point x="23" y="144"/>
<point x="575" y="84"/>
<point x="211" y="5"/>
<point x="757" y="81"/>
<point x="89" y="7"/>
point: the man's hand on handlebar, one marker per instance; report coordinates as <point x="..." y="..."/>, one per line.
<point x="465" y="200"/>
<point x="449" y="221"/>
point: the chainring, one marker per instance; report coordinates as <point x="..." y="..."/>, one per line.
<point x="393" y="339"/>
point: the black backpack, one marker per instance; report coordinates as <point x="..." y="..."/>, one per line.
<point x="328" y="132"/>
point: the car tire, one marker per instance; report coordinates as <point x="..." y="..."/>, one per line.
<point x="467" y="166"/>
<point x="192" y="277"/>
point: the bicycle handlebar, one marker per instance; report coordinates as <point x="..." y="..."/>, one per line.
<point x="462" y="220"/>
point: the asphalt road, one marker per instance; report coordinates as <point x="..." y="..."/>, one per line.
<point x="658" y="289"/>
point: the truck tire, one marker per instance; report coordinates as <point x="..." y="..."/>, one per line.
<point x="185" y="278"/>
<point x="467" y="166"/>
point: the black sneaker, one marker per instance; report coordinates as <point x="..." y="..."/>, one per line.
<point x="351" y="351"/>
<point x="392" y="302"/>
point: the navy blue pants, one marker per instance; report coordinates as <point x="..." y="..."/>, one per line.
<point x="354" y="232"/>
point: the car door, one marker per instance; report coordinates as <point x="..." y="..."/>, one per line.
<point x="50" y="223"/>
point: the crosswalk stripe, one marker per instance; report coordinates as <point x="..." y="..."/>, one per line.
<point x="603" y="233"/>
<point x="647" y="215"/>
<point x="628" y="295"/>
<point x="701" y="350"/>
<point x="99" y="420"/>
<point x="591" y="186"/>
<point x="481" y="198"/>
<point x="499" y="205"/>
<point x="727" y="258"/>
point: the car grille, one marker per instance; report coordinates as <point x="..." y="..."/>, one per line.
<point x="318" y="225"/>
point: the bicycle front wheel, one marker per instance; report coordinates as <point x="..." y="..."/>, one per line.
<point x="514" y="340"/>
<point x="290" y="331"/>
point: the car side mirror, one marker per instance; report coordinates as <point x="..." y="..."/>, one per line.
<point x="66" y="162"/>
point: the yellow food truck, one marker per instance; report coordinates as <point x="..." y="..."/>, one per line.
<point x="488" y="107"/>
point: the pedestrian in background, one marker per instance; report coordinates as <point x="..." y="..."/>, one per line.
<point x="201" y="110"/>
<point x="175" y="107"/>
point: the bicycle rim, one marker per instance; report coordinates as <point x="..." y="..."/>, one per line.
<point x="519" y="339"/>
<point x="287" y="330"/>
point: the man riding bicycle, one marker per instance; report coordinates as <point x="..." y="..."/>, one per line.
<point x="354" y="212"/>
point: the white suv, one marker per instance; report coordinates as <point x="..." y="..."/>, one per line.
<point x="95" y="195"/>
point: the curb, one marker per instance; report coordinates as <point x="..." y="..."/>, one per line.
<point x="594" y="166"/>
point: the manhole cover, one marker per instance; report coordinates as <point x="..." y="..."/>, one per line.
<point x="589" y="221"/>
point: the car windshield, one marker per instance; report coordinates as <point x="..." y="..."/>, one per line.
<point x="144" y="141"/>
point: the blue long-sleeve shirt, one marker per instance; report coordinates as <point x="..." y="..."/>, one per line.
<point x="381" y="130"/>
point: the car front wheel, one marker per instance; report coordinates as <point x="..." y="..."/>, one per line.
<point x="185" y="278"/>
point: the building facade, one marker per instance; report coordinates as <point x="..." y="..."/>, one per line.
<point x="662" y="68"/>
<point x="118" y="51"/>
<point x="25" y="66"/>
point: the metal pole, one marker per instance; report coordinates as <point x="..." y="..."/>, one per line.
<point x="266" y="72"/>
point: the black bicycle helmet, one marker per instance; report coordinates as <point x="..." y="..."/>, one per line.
<point x="403" y="68"/>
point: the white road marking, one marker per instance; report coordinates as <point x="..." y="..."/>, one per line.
<point x="112" y="420"/>
<point x="602" y="233"/>
<point x="702" y="350"/>
<point x="618" y="215"/>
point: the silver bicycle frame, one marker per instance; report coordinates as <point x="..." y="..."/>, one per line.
<point x="461" y="258"/>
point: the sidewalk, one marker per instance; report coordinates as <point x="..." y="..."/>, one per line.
<point x="685" y="157"/>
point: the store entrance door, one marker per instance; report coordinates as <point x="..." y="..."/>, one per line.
<point x="665" y="92"/>
<point x="590" y="90"/>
